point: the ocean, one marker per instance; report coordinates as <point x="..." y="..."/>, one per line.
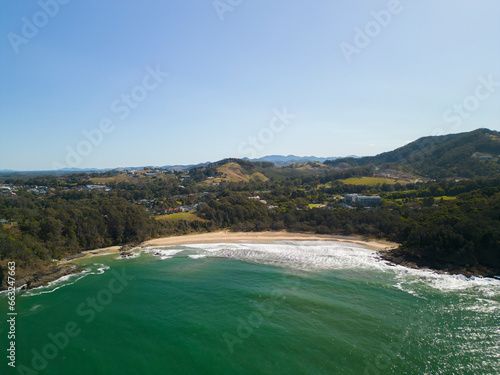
<point x="255" y="308"/>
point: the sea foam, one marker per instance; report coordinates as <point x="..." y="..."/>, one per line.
<point x="326" y="255"/>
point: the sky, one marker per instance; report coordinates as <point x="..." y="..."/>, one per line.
<point x="128" y="83"/>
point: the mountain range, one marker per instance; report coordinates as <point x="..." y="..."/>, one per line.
<point x="462" y="155"/>
<point x="467" y="155"/>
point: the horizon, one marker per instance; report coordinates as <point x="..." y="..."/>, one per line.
<point x="177" y="83"/>
<point x="162" y="165"/>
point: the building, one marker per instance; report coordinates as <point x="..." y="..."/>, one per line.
<point x="368" y="201"/>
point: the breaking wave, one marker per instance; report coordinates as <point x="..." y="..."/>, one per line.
<point x="322" y="256"/>
<point x="95" y="269"/>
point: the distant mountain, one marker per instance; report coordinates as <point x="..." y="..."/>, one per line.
<point x="282" y="160"/>
<point x="278" y="160"/>
<point x="186" y="167"/>
<point x="77" y="170"/>
<point x="471" y="154"/>
<point x="5" y="174"/>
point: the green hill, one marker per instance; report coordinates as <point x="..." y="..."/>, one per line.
<point x="471" y="154"/>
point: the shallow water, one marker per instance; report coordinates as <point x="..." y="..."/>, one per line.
<point x="274" y="308"/>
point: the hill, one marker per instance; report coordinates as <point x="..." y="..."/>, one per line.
<point x="234" y="172"/>
<point x="466" y="155"/>
<point x="282" y="161"/>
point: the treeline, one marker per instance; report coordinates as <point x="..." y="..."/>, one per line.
<point x="464" y="231"/>
<point x="50" y="228"/>
<point x="238" y="212"/>
<point x="446" y="156"/>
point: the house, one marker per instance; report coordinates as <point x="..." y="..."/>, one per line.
<point x="363" y="200"/>
<point x="98" y="187"/>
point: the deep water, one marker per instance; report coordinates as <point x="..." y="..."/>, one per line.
<point x="275" y="308"/>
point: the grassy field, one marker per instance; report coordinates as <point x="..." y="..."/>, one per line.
<point x="233" y="172"/>
<point x="314" y="205"/>
<point x="445" y="198"/>
<point x="368" y="181"/>
<point x="189" y="216"/>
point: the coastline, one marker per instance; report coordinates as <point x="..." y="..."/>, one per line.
<point x="389" y="251"/>
<point x="397" y="257"/>
<point x="89" y="254"/>
<point x="66" y="265"/>
<point x="229" y="237"/>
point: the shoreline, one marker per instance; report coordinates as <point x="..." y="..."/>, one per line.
<point x="89" y="254"/>
<point x="65" y="266"/>
<point x="241" y="237"/>
<point x="226" y="236"/>
<point x="387" y="249"/>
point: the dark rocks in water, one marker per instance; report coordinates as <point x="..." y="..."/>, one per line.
<point x="42" y="278"/>
<point x="397" y="256"/>
<point x="126" y="251"/>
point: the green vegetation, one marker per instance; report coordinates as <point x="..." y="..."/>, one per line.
<point x="368" y="181"/>
<point x="188" y="216"/>
<point x="449" y="223"/>
<point x="453" y="155"/>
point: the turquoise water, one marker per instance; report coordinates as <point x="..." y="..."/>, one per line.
<point x="275" y="308"/>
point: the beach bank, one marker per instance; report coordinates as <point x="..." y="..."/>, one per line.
<point x="228" y="237"/>
<point x="69" y="264"/>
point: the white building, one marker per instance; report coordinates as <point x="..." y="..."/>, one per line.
<point x="369" y="201"/>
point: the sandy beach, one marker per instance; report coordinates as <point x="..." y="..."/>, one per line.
<point x="228" y="237"/>
<point x="90" y="254"/>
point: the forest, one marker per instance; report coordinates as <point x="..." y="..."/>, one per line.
<point x="448" y="224"/>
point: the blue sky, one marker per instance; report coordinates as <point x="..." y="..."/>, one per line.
<point x="245" y="78"/>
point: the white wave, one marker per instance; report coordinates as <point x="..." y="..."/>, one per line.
<point x="197" y="256"/>
<point x="410" y="278"/>
<point x="162" y="253"/>
<point x="331" y="255"/>
<point x="64" y="280"/>
<point x="317" y="256"/>
<point x="49" y="288"/>
<point x="305" y="255"/>
<point x="102" y="268"/>
<point x="133" y="255"/>
<point x="35" y="307"/>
